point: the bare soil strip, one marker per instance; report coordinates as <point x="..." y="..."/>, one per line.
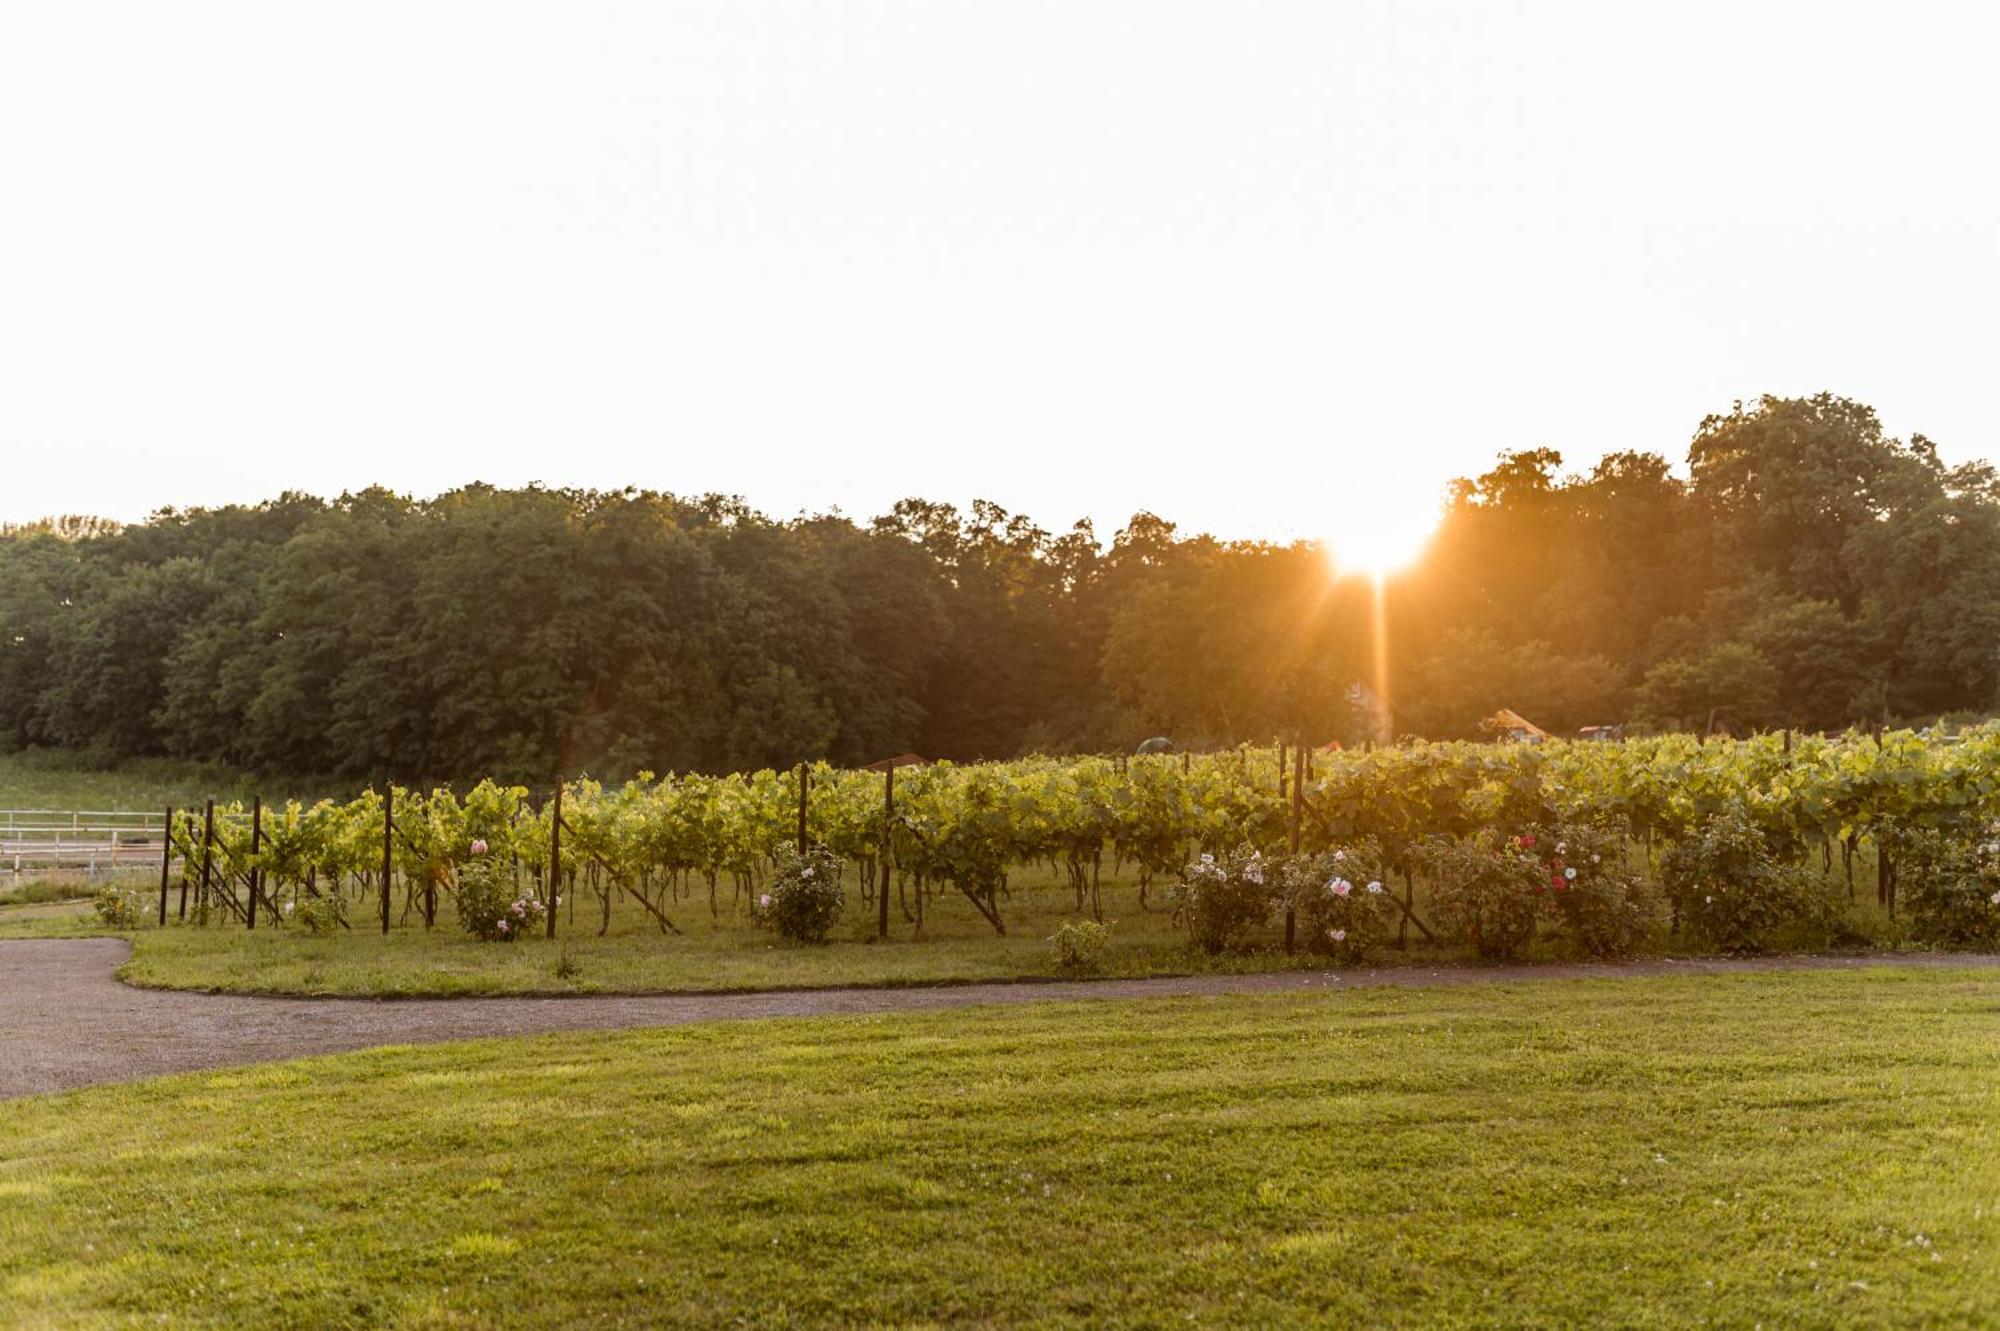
<point x="67" y="1022"/>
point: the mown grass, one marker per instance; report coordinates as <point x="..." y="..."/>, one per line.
<point x="1814" y="1149"/>
<point x="33" y="891"/>
<point x="715" y="952"/>
<point x="723" y="951"/>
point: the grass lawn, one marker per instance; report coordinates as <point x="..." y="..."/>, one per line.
<point x="1798" y="1149"/>
<point x="59" y="779"/>
<point x="722" y="952"/>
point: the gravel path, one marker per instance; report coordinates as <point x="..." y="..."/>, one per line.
<point x="66" y="1021"/>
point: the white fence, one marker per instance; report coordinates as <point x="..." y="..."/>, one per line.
<point x="94" y="840"/>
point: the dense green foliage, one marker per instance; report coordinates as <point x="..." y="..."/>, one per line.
<point x="803" y="899"/>
<point x="1508" y="849"/>
<point x="1784" y="1150"/>
<point x="1808" y="571"/>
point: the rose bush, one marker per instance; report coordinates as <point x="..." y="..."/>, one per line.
<point x="489" y="907"/>
<point x="1218" y="900"/>
<point x="1951" y="886"/>
<point x="804" y="900"/>
<point x="1338" y="900"/>
<point x="1488" y="890"/>
<point x="1600" y="906"/>
<point x="1732" y="891"/>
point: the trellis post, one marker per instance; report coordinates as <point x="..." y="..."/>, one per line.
<point x="166" y="861"/>
<point x="256" y="845"/>
<point x="805" y="787"/>
<point x="1298" y="811"/>
<point x="555" y="857"/>
<point x="888" y="850"/>
<point x="207" y="853"/>
<point x="187" y="866"/>
<point x="388" y="829"/>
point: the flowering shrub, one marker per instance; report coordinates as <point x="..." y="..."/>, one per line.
<point x="804" y="898"/>
<point x="1602" y="908"/>
<point x="1220" y="900"/>
<point x="1339" y="901"/>
<point x="114" y="909"/>
<point x="1952" y="887"/>
<point x="1730" y="890"/>
<point x="488" y="906"/>
<point x="1078" y="946"/>
<point x="1489" y="890"/>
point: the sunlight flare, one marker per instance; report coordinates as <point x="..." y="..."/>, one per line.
<point x="1381" y="534"/>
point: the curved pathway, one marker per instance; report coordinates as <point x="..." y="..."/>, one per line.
<point x="66" y="1021"/>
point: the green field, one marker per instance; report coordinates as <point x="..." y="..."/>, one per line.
<point x="724" y="952"/>
<point x="1796" y="1150"/>
<point x="55" y="779"/>
<point x="727" y="951"/>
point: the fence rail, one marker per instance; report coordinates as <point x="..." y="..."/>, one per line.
<point x="89" y="839"/>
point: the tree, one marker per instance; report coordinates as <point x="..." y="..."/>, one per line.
<point x="1732" y="681"/>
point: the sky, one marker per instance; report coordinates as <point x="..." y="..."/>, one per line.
<point x="1265" y="269"/>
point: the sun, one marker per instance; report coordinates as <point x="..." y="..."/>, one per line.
<point x="1381" y="535"/>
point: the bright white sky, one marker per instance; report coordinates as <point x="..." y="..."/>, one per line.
<point x="1265" y="269"/>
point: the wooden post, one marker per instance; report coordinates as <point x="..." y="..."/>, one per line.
<point x="256" y="845"/>
<point x="207" y="850"/>
<point x="555" y="858"/>
<point x="388" y="829"/>
<point x="1788" y="741"/>
<point x="1184" y="764"/>
<point x="166" y="861"/>
<point x="888" y="850"/>
<point x="805" y="786"/>
<point x="187" y="867"/>
<point x="1298" y="811"/>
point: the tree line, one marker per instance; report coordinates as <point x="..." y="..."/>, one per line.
<point x="1806" y="570"/>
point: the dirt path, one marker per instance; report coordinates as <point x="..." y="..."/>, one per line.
<point x="66" y="1021"/>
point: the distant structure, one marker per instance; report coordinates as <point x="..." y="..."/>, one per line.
<point x="1157" y="744"/>
<point x="1507" y="724"/>
<point x="1371" y="711"/>
<point x="900" y="760"/>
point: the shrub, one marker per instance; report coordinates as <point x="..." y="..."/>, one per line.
<point x="115" y="910"/>
<point x="1339" y="901"/>
<point x="1951" y="887"/>
<point x="804" y="899"/>
<point x="1602" y="908"/>
<point x="488" y="906"/>
<point x="1077" y="946"/>
<point x="321" y="912"/>
<point x="1731" y="891"/>
<point x="1489" y="890"/>
<point x="1220" y="900"/>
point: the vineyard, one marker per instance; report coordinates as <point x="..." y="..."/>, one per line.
<point x="1860" y="815"/>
